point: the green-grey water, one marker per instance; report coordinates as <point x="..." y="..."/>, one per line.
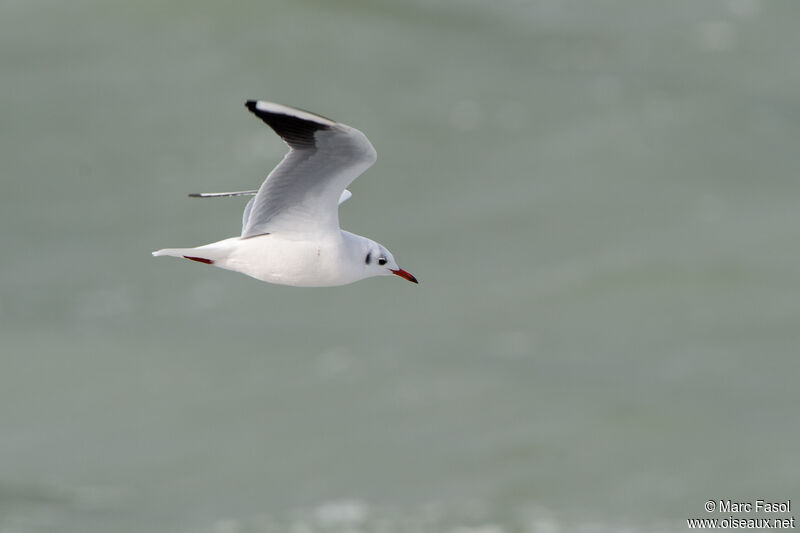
<point x="599" y="198"/>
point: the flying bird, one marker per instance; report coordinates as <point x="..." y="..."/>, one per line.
<point x="290" y="228"/>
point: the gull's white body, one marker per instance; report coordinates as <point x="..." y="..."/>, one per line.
<point x="290" y="229"/>
<point x="284" y="260"/>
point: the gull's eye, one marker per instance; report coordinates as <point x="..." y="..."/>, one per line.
<point x="368" y="260"/>
<point x="381" y="260"/>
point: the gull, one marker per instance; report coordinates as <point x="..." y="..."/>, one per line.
<point x="290" y="228"/>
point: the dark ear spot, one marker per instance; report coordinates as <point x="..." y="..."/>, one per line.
<point x="369" y="258"/>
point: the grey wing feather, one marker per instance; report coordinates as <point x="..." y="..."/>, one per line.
<point x="246" y="214"/>
<point x="302" y="193"/>
<point x="221" y="194"/>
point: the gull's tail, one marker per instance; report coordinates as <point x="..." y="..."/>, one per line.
<point x="187" y="253"/>
<point x="215" y="253"/>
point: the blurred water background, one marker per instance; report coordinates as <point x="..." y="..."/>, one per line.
<point x="601" y="202"/>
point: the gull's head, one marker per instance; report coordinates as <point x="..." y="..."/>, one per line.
<point x="378" y="261"/>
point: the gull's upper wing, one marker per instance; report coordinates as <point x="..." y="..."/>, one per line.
<point x="302" y="193"/>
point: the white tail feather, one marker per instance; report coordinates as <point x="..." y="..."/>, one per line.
<point x="215" y="253"/>
<point x="174" y="252"/>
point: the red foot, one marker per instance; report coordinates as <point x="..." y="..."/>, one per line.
<point x="200" y="259"/>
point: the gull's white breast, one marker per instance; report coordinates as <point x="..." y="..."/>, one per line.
<point x="291" y="260"/>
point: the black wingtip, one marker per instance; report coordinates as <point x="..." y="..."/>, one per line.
<point x="295" y="126"/>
